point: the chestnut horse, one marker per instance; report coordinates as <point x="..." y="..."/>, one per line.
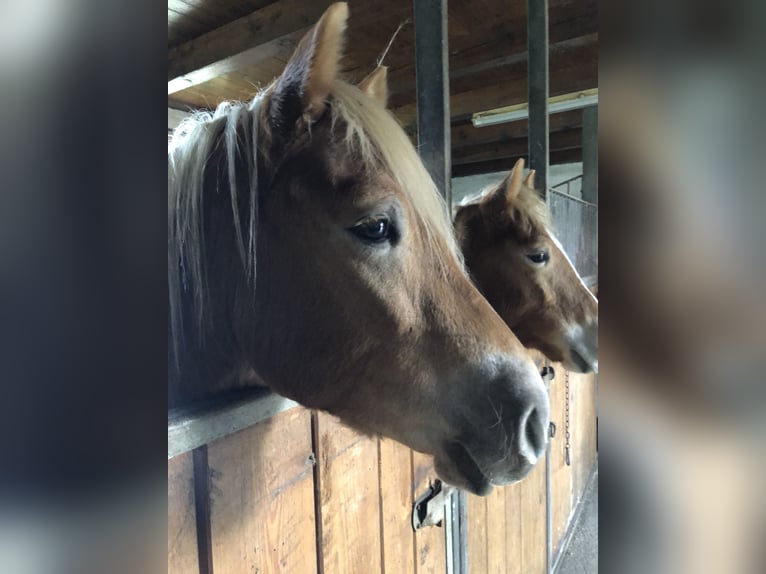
<point x="505" y="235"/>
<point x="512" y="254"/>
<point x="309" y="249"/>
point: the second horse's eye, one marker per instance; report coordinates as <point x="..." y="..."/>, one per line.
<point x="373" y="230"/>
<point x="538" y="257"/>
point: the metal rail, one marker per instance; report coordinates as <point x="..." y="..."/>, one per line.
<point x="201" y="424"/>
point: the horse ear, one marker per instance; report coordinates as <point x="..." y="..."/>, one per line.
<point x="512" y="183"/>
<point x="375" y="85"/>
<point x="530" y="181"/>
<point x="506" y="192"/>
<point x="305" y="83"/>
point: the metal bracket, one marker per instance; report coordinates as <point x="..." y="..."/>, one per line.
<point x="548" y="374"/>
<point x="428" y="509"/>
<point x="552" y="429"/>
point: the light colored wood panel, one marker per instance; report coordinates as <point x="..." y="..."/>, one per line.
<point x="349" y="496"/>
<point x="496" y="532"/>
<point x="513" y="520"/>
<point x="561" y="474"/>
<point x="533" y="521"/>
<point x="430" y="542"/>
<point x="477" y="534"/>
<point x="262" y="497"/>
<point x="396" y="507"/>
<point x="182" y="527"/>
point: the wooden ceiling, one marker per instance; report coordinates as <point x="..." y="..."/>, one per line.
<point x="226" y="49"/>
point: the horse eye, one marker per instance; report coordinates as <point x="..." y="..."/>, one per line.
<point x="538" y="257"/>
<point x="373" y="230"/>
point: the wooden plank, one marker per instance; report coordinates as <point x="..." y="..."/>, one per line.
<point x="496" y="165"/>
<point x="533" y="521"/>
<point x="396" y="507"/>
<point x="513" y="522"/>
<point x="559" y="141"/>
<point x="430" y="542"/>
<point x="566" y="76"/>
<point x="349" y="498"/>
<point x="182" y="531"/>
<point x="477" y="534"/>
<point x="260" y="27"/>
<point x="496" y="531"/>
<point x="561" y="479"/>
<point x="262" y="497"/>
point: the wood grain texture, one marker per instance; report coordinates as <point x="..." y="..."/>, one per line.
<point x="533" y="521"/>
<point x="430" y="542"/>
<point x="262" y="497"/>
<point x="396" y="507"/>
<point x="182" y="532"/>
<point x="513" y="522"/>
<point x="496" y="531"/>
<point x="349" y="497"/>
<point x="477" y="534"/>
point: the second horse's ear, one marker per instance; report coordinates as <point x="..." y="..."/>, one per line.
<point x="507" y="191"/>
<point x="305" y="84"/>
<point x="530" y="181"/>
<point x="375" y="85"/>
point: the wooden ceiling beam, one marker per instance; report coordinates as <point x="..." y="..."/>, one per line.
<point x="559" y="141"/>
<point x="505" y="164"/>
<point x="247" y="40"/>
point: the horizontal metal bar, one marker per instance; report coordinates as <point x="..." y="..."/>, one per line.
<point x="202" y="424"/>
<point x="566" y="181"/>
<point x="573" y="198"/>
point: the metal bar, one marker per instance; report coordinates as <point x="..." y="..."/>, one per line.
<point x="432" y="91"/>
<point x="590" y="154"/>
<point x="192" y="428"/>
<point x="567" y="181"/>
<point x="537" y="46"/>
<point x="573" y="198"/>
<point x="463" y="531"/>
<point x="449" y="532"/>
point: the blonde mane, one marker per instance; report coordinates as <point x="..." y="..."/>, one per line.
<point x="206" y="144"/>
<point x="528" y="211"/>
<point x="375" y="133"/>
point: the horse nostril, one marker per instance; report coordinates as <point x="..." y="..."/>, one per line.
<point x="534" y="432"/>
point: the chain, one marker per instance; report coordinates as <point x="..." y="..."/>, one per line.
<point x="566" y="420"/>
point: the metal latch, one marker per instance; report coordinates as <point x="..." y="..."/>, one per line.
<point x="429" y="508"/>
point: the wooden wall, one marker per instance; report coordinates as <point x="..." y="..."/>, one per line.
<point x="302" y="493"/>
<point x="507" y="529"/>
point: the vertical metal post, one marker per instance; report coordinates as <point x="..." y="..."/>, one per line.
<point x="590" y="154"/>
<point x="590" y="165"/>
<point x="537" y="46"/>
<point x="432" y="86"/>
<point x="432" y="95"/>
